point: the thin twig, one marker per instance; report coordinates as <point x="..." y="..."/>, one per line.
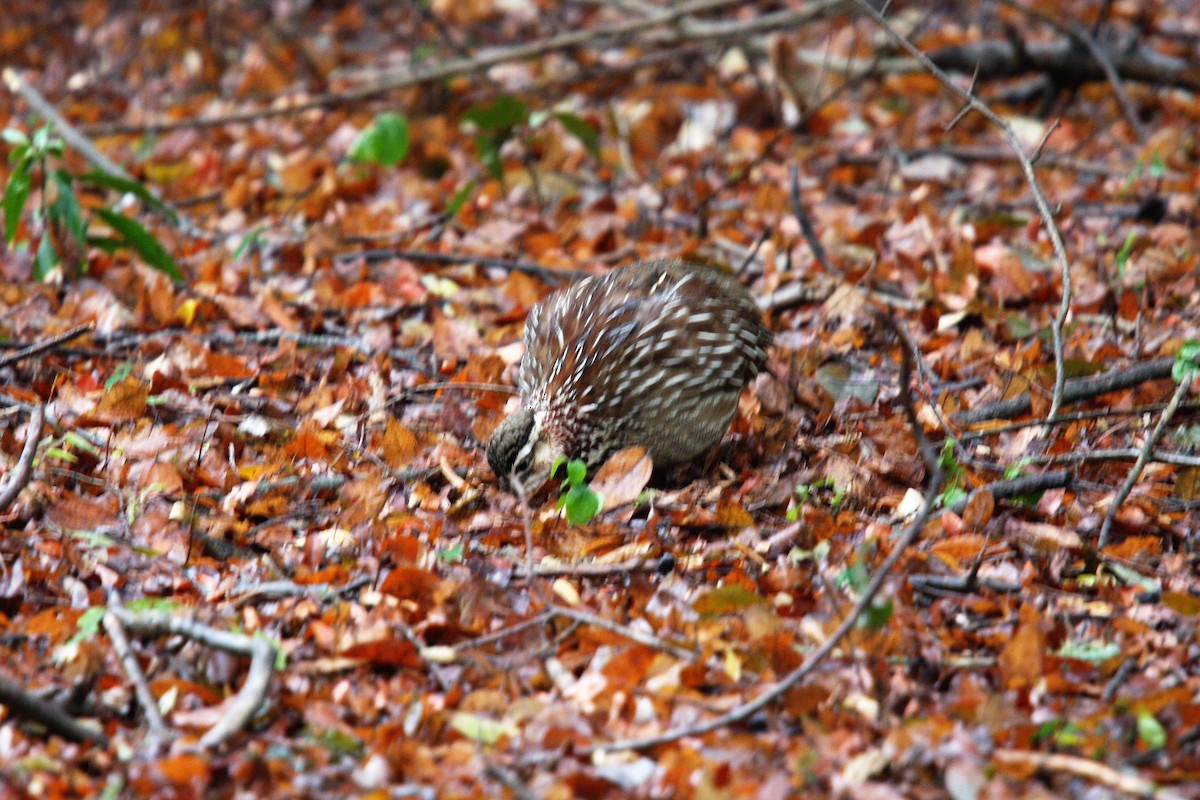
<point x="18" y="479"/>
<point x="160" y="733"/>
<point x="1143" y="459"/>
<point x="37" y="348"/>
<point x="548" y="274"/>
<point x="806" y="226"/>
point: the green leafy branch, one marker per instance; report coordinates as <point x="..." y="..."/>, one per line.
<point x="58" y="213"/>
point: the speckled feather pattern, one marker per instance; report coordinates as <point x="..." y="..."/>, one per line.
<point x="653" y="354"/>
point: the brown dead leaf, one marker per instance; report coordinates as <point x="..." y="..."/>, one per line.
<point x="124" y="401"/>
<point x="1042" y="535"/>
<point x="400" y="445"/>
<point x="623" y="477"/>
<point x="1021" y="662"/>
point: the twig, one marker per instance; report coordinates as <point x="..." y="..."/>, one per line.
<point x="37" y="348"/>
<point x="592" y="570"/>
<point x="21" y="704"/>
<point x="806" y="226"/>
<point x="160" y="734"/>
<point x="554" y="276"/>
<point x="1076" y="389"/>
<point x="496" y="636"/>
<point x="641" y="637"/>
<point x="507" y="778"/>
<point x="258" y="678"/>
<point x="1115" y="454"/>
<point x="1076" y="416"/>
<point x="19" y="478"/>
<point x="1143" y="458"/>
<point x="1030" y="177"/>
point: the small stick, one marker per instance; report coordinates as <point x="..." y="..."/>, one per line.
<point x="37" y="348"/>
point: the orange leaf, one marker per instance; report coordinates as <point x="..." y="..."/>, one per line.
<point x="185" y="769"/>
<point x="1022" y="659"/>
<point x="400" y="445"/>
<point x="125" y="401"/>
<point x="390" y="652"/>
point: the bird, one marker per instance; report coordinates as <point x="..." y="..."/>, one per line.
<point x="655" y="354"/>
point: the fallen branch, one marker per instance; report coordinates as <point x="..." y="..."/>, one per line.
<point x="258" y="679"/>
<point x="554" y="276"/>
<point x="37" y="348"/>
<point x="81" y="144"/>
<point x="1016" y="487"/>
<point x="1081" y="37"/>
<point x="440" y="70"/>
<point x="1073" y="391"/>
<point x="23" y="705"/>
<point x="159" y="732"/>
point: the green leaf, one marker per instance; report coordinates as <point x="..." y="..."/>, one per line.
<point x="141" y="240"/>
<point x="489" y="146"/>
<point x="123" y="371"/>
<point x="46" y="259"/>
<point x="451" y="555"/>
<point x="14" y="136"/>
<point x="384" y="142"/>
<point x="558" y="462"/>
<point x="460" y="198"/>
<point x="16" y="192"/>
<point x="952" y="495"/>
<point x="576" y="472"/>
<point x="66" y="207"/>
<point x="61" y="455"/>
<point x="1151" y="731"/>
<point x="581" y="504"/>
<point x="481" y="729"/>
<point x="588" y="136"/>
<point x="1187" y="361"/>
<point x="500" y="115"/>
<point x="877" y="616"/>
<point x="1092" y="652"/>
<point x="104" y="180"/>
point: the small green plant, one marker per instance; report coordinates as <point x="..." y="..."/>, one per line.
<point x="814" y="494"/>
<point x="578" y="500"/>
<point x="954" y="491"/>
<point x="1123" y="254"/>
<point x="506" y="117"/>
<point x="59" y="219"/>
